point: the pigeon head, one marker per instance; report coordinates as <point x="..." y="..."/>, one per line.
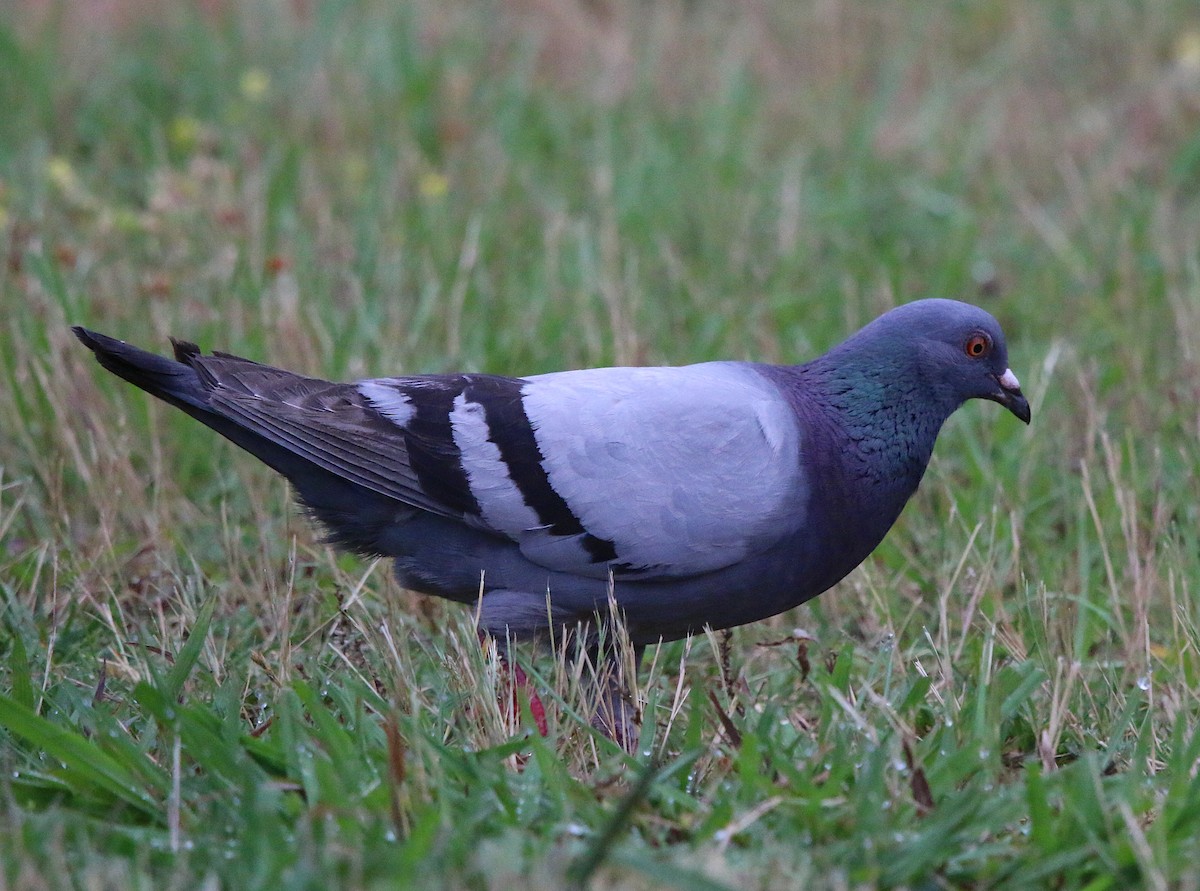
<point x="956" y="350"/>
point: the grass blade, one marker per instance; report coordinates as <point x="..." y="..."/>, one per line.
<point x="189" y="653"/>
<point x="83" y="761"/>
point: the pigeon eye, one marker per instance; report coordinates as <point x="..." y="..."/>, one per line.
<point x="977" y="345"/>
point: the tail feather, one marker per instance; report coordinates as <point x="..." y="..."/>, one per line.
<point x="171" y="380"/>
<point x="354" y="516"/>
<point x="177" y="382"/>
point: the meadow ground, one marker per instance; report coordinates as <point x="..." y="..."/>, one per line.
<point x="196" y="692"/>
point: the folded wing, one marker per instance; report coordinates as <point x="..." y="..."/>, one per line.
<point x="683" y="470"/>
<point x="638" y="472"/>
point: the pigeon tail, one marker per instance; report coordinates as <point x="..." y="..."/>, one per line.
<point x="353" y="516"/>
<point x="173" y="381"/>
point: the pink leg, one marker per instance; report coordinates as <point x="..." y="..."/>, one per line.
<point x="521" y="681"/>
<point x="535" y="702"/>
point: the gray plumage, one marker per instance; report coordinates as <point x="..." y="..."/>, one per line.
<point x="706" y="495"/>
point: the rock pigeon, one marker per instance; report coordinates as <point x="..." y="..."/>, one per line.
<point x="699" y="496"/>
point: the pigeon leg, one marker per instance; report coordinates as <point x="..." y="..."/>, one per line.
<point x="519" y="681"/>
<point x="616" y="715"/>
<point x="538" y="710"/>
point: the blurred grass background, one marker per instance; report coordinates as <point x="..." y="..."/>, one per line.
<point x="194" y="691"/>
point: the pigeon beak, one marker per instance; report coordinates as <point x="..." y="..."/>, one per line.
<point x="1010" y="396"/>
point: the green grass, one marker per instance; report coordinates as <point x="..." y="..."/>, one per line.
<point x="195" y="692"/>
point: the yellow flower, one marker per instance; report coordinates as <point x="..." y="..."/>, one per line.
<point x="433" y="185"/>
<point x="1187" y="50"/>
<point x="184" y="132"/>
<point x="61" y="174"/>
<point x="254" y="84"/>
<point x="63" y="179"/>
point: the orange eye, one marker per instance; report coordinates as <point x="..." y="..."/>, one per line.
<point x="977" y="345"/>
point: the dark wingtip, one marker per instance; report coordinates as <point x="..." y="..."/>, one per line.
<point x="100" y="344"/>
<point x="185" y="351"/>
<point x="150" y="371"/>
<point x="89" y="339"/>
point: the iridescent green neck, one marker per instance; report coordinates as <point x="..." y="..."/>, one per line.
<point x="888" y="419"/>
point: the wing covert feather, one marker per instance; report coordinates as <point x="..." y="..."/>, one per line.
<point x="685" y="470"/>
